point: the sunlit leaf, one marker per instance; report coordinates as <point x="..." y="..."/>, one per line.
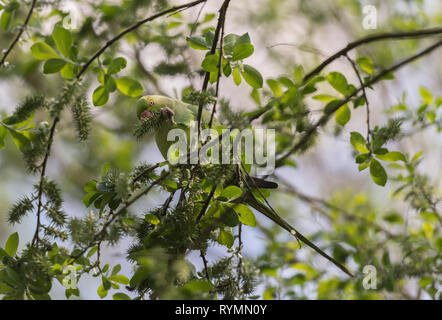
<point x="129" y="86"/>
<point x="12" y="244"/>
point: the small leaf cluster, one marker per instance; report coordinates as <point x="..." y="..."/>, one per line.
<point x="376" y="149"/>
<point x="8" y="13"/>
<point x="106" y="72"/>
<point x="235" y="49"/>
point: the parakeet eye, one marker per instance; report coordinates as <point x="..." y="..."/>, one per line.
<point x="151" y="102"/>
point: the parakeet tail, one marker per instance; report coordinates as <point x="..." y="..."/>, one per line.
<point x="252" y="201"/>
<point x="261" y="183"/>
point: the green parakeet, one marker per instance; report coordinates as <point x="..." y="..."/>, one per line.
<point x="177" y="114"/>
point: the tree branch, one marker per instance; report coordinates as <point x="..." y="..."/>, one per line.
<point x="100" y="234"/>
<point x="220" y="63"/>
<point x="372" y="38"/>
<point x="219" y="26"/>
<point x="364" y="94"/>
<point x="323" y="120"/>
<point x="132" y="28"/>
<point x="20" y="32"/>
<point x="35" y="240"/>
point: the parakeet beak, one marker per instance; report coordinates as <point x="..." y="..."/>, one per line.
<point x="143" y="109"/>
<point x="146" y="114"/>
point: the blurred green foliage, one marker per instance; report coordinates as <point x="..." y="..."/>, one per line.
<point x="74" y="141"/>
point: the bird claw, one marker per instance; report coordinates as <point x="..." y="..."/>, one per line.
<point x="168" y="114"/>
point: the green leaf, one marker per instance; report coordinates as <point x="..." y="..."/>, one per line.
<point x="363" y="166"/>
<point x="139" y="276"/>
<point x="231" y="192"/>
<point x="90" y="198"/>
<point x="276" y="87"/>
<point x="227" y="68"/>
<point x="343" y="115"/>
<point x="100" y="96"/>
<point x="256" y="96"/>
<point x="338" y="81"/>
<point x="225" y="238"/>
<point x="105" y="169"/>
<point x="366" y="64"/>
<point x="426" y="95"/>
<point x="119" y="278"/>
<point x="210" y="63"/>
<point x="208" y="17"/>
<point x="121" y="296"/>
<point x="6" y="19"/>
<point x="298" y="74"/>
<point x="20" y="139"/>
<point x="198" y="285"/>
<point x="392" y="156"/>
<point x="242" y="51"/>
<point x="63" y="40"/>
<point x="245" y="38"/>
<point x="230" y="42"/>
<point x="68" y="71"/>
<point x="129" y="86"/>
<point x="92" y="251"/>
<point x="106" y="282"/>
<point x="252" y="77"/>
<point x="53" y="65"/>
<point x="378" y="173"/>
<point x="91" y="186"/>
<point x="117" y="65"/>
<point x="151" y="218"/>
<point x="358" y="142"/>
<point x="12" y="6"/>
<point x="393" y="217"/>
<point x="102" y="292"/>
<point x="43" y="51"/>
<point x="324" y="98"/>
<point x="3" y="132"/>
<point x="110" y="83"/>
<point x="116" y="269"/>
<point x="12" y="244"/>
<point x="198" y="43"/>
<point x="438" y="101"/>
<point x="245" y="215"/>
<point x="236" y="76"/>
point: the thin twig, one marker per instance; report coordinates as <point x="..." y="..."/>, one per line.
<point x="364" y="94"/>
<point x="36" y="239"/>
<point x="197" y="18"/>
<point x="221" y="20"/>
<point x="167" y="203"/>
<point x="220" y="63"/>
<point x="147" y="171"/>
<point x="206" y="270"/>
<point x="239" y="267"/>
<point x="301" y="47"/>
<point x="101" y="233"/>
<point x="348" y="215"/>
<point x="206" y="204"/>
<point x="183" y="192"/>
<point x="132" y="28"/>
<point x="323" y="120"/>
<point x="20" y="32"/>
<point x="372" y="38"/>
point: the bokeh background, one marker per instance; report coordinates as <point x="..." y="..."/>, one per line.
<point x="285" y="34"/>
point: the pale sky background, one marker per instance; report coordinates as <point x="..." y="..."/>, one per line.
<point x="316" y="175"/>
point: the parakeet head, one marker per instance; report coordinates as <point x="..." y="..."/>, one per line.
<point x="153" y="103"/>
